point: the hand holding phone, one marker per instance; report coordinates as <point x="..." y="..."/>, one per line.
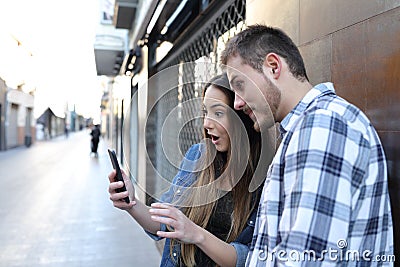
<point x="118" y="176"/>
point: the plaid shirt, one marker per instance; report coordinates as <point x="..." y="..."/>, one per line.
<point x="325" y="201"/>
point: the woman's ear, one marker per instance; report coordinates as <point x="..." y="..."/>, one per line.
<point x="272" y="65"/>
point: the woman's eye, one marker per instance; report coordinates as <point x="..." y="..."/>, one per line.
<point x="204" y="112"/>
<point x="219" y="114"/>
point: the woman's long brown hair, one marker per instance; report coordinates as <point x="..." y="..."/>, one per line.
<point x="242" y="198"/>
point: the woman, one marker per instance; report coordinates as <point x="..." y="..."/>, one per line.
<point x="214" y="224"/>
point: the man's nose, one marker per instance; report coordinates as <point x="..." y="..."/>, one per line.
<point x="239" y="102"/>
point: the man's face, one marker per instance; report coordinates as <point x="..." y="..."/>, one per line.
<point x="255" y="94"/>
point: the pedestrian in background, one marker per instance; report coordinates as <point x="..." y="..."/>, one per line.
<point x="207" y="215"/>
<point x="66" y="131"/>
<point x="327" y="186"/>
<point x="95" y="133"/>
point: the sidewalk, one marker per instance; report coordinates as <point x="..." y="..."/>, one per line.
<point x="55" y="209"/>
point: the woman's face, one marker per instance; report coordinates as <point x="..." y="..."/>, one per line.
<point x="216" y="108"/>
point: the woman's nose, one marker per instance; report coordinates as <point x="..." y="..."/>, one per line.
<point x="207" y="123"/>
<point x="239" y="103"/>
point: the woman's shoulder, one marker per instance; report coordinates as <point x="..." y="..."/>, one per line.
<point x="192" y="157"/>
<point x="188" y="167"/>
<point x="194" y="152"/>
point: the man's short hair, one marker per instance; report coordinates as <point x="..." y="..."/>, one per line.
<point x="255" y="42"/>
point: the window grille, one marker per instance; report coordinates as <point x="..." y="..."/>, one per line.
<point x="188" y="58"/>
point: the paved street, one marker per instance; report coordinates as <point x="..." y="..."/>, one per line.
<point x="55" y="210"/>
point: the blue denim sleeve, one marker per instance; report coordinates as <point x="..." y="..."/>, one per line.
<point x="163" y="228"/>
<point x="241" y="252"/>
<point x="184" y="178"/>
<point x="243" y="241"/>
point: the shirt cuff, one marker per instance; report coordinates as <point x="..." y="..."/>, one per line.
<point x="155" y="237"/>
<point x="241" y="253"/>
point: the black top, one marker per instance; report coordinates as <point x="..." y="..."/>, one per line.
<point x="220" y="222"/>
<point x="219" y="225"/>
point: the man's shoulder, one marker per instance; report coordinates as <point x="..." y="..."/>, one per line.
<point x="341" y="110"/>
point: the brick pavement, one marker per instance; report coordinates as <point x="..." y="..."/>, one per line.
<point x="55" y="210"/>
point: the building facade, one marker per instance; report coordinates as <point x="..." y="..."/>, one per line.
<point x="354" y="44"/>
<point x="17" y="122"/>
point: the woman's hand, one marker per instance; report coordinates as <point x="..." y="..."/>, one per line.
<point x="118" y="198"/>
<point x="184" y="229"/>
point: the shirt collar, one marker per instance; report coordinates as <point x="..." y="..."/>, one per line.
<point x="317" y="91"/>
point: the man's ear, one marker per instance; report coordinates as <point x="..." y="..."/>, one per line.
<point x="272" y="64"/>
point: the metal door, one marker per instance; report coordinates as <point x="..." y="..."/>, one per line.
<point x="12" y="129"/>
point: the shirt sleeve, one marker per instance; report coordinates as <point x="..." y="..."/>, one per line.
<point x="183" y="179"/>
<point x="241" y="253"/>
<point x="243" y="241"/>
<point x="185" y="176"/>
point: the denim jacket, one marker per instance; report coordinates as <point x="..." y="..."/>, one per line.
<point x="184" y="178"/>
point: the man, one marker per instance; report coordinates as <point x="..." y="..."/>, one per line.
<point x="325" y="200"/>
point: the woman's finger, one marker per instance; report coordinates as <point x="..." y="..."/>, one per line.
<point x="111" y="176"/>
<point x="164" y="220"/>
<point x="164" y="212"/>
<point x="121" y="204"/>
<point x="161" y="205"/>
<point x="113" y="186"/>
<point x="168" y="234"/>
<point x="119" y="196"/>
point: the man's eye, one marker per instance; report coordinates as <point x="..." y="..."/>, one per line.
<point x="239" y="85"/>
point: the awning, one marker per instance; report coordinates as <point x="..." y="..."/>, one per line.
<point x="109" y="51"/>
<point x="125" y="13"/>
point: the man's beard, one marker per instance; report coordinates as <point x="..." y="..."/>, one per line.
<point x="265" y="119"/>
<point x="264" y="125"/>
<point x="274" y="96"/>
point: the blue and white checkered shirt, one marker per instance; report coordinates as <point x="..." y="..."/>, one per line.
<point x="325" y="201"/>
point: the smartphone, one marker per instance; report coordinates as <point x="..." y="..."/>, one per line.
<point x="118" y="177"/>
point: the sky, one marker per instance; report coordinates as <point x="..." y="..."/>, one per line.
<point x="56" y="39"/>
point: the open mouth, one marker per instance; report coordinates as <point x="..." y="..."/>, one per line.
<point x="214" y="138"/>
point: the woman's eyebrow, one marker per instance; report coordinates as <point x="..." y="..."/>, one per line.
<point x="218" y="105"/>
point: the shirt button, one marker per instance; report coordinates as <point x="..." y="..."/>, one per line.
<point x="174" y="254"/>
<point x="178" y="191"/>
<point x="251" y="221"/>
